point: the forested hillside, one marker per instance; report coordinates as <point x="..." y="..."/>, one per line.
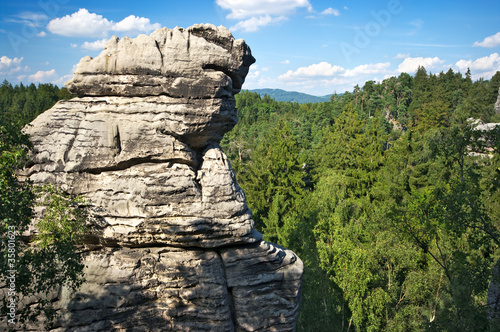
<point x="387" y="193"/>
<point x="379" y="194"/>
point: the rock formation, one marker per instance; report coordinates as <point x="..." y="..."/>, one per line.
<point x="497" y="104"/>
<point x="174" y="244"/>
<point x="494" y="296"/>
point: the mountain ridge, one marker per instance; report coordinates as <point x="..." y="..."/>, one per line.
<point x="292" y="96"/>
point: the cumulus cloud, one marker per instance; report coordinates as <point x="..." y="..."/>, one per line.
<point x="369" y="69"/>
<point x="489" y="62"/>
<point x="484" y="67"/>
<point x="85" y="24"/>
<point x="245" y="9"/>
<point x="10" y="67"/>
<point x="41" y="34"/>
<point x="94" y="46"/>
<point x="257" y="13"/>
<point x="43" y="76"/>
<point x="322" y="69"/>
<point x="135" y="24"/>
<point x="323" y="78"/>
<point x="253" y="73"/>
<point x="331" y="11"/>
<point x="410" y="65"/>
<point x="254" y="23"/>
<point x="491" y="41"/>
<point x="80" y="24"/>
<point x="6" y="62"/>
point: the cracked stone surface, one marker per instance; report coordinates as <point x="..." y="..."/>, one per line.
<point x="497" y="104"/>
<point x="177" y="248"/>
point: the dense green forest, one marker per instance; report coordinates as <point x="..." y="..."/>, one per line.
<point x="379" y="193"/>
<point x="387" y="194"/>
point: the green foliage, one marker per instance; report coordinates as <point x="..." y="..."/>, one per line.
<point x="274" y="181"/>
<point x="396" y="219"/>
<point x="63" y="221"/>
<point x="52" y="259"/>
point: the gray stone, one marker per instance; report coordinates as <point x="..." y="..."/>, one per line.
<point x="198" y="62"/>
<point x="494" y="296"/>
<point x="497" y="104"/>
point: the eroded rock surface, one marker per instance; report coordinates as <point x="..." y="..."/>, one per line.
<point x="497" y="104"/>
<point x="177" y="249"/>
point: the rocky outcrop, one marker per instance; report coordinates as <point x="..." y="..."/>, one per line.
<point x="198" y="62"/>
<point x="497" y="104"/>
<point x="494" y="296"/>
<point x="174" y="244"/>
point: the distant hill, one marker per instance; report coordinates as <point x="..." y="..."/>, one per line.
<point x="299" y="97"/>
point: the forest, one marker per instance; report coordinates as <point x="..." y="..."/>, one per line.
<point x="388" y="193"/>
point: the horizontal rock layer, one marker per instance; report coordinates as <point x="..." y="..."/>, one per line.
<point x="497" y="104"/>
<point x="202" y="61"/>
<point x="251" y="288"/>
<point x="138" y="160"/>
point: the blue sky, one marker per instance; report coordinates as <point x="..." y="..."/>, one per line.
<point x="312" y="46"/>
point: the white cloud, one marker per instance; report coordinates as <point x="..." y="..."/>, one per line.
<point x="286" y="62"/>
<point x="253" y="73"/>
<point x="331" y="11"/>
<point x="258" y="13"/>
<point x="241" y="9"/>
<point x="324" y="78"/>
<point x="11" y="67"/>
<point x="41" y="34"/>
<point x="135" y="24"/>
<point x="86" y="24"/>
<point x="254" y="23"/>
<point x="369" y="69"/>
<point x="80" y="24"/>
<point x="322" y="69"/>
<point x="61" y="80"/>
<point x="73" y="45"/>
<point x="485" y="63"/>
<point x="491" y="41"/>
<point x="29" y="18"/>
<point x="410" y="65"/>
<point x="6" y="62"/>
<point x="402" y="55"/>
<point x="484" y="67"/>
<point x="94" y="46"/>
<point x="43" y="76"/>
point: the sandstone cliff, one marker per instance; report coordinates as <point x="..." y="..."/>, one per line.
<point x="497" y="104"/>
<point x="174" y="244"/>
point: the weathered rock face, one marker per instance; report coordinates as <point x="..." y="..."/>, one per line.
<point x="497" y="104"/>
<point x="198" y="62"/>
<point x="494" y="296"/>
<point x="177" y="249"/>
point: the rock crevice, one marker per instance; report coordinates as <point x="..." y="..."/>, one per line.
<point x="175" y="248"/>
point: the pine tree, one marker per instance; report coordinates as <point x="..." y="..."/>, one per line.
<point x="274" y="180"/>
